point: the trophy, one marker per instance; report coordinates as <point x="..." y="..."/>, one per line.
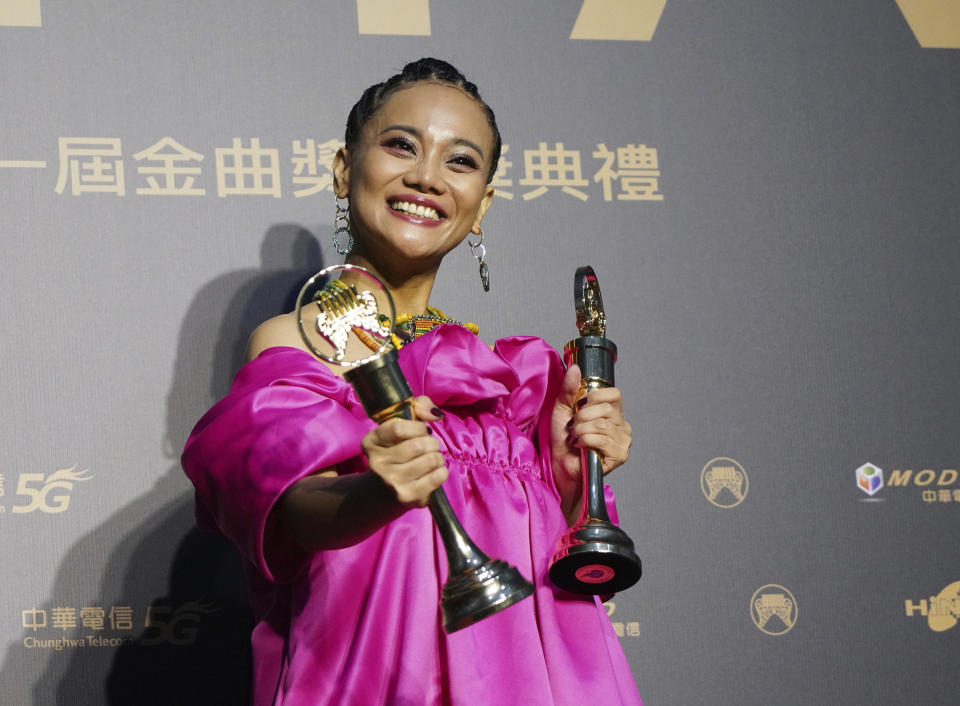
<point x="477" y="586"/>
<point x="594" y="556"/>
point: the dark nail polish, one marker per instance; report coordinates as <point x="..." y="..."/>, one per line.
<point x="429" y="430"/>
<point x="582" y="401"/>
<point x="436" y="412"/>
<point x="570" y="424"/>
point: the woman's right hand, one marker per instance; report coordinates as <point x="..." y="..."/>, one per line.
<point x="406" y="457"/>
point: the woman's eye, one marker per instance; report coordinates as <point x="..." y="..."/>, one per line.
<point x="464" y="161"/>
<point x="400" y="144"/>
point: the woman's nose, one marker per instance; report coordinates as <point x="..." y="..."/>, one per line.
<point x="426" y="175"/>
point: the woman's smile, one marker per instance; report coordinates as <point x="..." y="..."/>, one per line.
<point x="416" y="209"/>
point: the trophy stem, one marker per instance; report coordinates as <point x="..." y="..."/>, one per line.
<point x="594" y="504"/>
<point x="477" y="586"/>
<point x="463" y="555"/>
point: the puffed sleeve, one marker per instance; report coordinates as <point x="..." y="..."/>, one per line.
<point x="286" y="416"/>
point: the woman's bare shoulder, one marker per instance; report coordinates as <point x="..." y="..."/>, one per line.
<point x="279" y="331"/>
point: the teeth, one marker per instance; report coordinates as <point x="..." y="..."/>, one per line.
<point x="416" y="209"/>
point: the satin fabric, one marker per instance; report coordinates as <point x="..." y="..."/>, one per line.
<point x="361" y="625"/>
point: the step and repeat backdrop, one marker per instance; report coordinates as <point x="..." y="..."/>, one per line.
<point x="769" y="193"/>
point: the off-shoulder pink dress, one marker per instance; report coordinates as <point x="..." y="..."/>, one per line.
<point x="361" y="625"/>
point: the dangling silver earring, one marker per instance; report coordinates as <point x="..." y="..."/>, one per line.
<point x="480" y="252"/>
<point x="341" y="224"/>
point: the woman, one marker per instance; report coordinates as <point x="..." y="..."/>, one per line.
<point x="329" y="508"/>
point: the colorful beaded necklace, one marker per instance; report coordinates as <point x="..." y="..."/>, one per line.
<point x="409" y="327"/>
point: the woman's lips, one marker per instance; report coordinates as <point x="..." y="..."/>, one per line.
<point x="417" y="209"/>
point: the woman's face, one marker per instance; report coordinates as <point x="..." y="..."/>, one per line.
<point x="417" y="177"/>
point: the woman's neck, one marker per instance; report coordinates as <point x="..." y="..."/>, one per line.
<point x="410" y="288"/>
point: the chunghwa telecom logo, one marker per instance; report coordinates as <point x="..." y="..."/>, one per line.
<point x="869" y="479"/>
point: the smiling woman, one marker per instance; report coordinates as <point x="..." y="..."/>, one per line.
<point x="346" y="566"/>
<point x="417" y="182"/>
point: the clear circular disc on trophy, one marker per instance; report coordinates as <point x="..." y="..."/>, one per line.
<point x="341" y="299"/>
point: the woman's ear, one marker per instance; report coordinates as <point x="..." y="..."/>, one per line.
<point x="341" y="173"/>
<point x="482" y="209"/>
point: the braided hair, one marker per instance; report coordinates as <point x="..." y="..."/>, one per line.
<point x="426" y="69"/>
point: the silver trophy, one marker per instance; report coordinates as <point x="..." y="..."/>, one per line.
<point x="477" y="586"/>
<point x="594" y="556"/>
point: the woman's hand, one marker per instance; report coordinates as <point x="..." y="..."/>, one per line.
<point x="406" y="457"/>
<point x="326" y="510"/>
<point x="592" y="422"/>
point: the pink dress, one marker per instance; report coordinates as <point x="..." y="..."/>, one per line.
<point x="361" y="625"/>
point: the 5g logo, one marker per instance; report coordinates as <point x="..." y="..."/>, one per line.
<point x="175" y="626"/>
<point x="50" y="494"/>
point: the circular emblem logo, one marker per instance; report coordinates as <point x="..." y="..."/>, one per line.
<point x="724" y="482"/>
<point x="773" y="609"/>
<point x="595" y="573"/>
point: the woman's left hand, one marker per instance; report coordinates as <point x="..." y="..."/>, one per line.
<point x="593" y="422"/>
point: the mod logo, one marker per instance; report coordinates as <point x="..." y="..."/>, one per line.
<point x="869" y="478"/>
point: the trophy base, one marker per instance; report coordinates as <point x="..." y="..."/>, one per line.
<point x="480" y="592"/>
<point x="596" y="557"/>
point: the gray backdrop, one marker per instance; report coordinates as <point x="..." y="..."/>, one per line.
<point x="768" y="191"/>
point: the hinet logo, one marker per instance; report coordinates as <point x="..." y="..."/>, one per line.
<point x="941" y="611"/>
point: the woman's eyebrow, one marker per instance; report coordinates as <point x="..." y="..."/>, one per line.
<point x="419" y="135"/>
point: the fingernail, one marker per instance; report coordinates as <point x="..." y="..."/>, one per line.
<point x="570" y="440"/>
<point x="436" y="412"/>
<point x="582" y="401"/>
<point x="570" y="424"/>
<point x="429" y="430"/>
